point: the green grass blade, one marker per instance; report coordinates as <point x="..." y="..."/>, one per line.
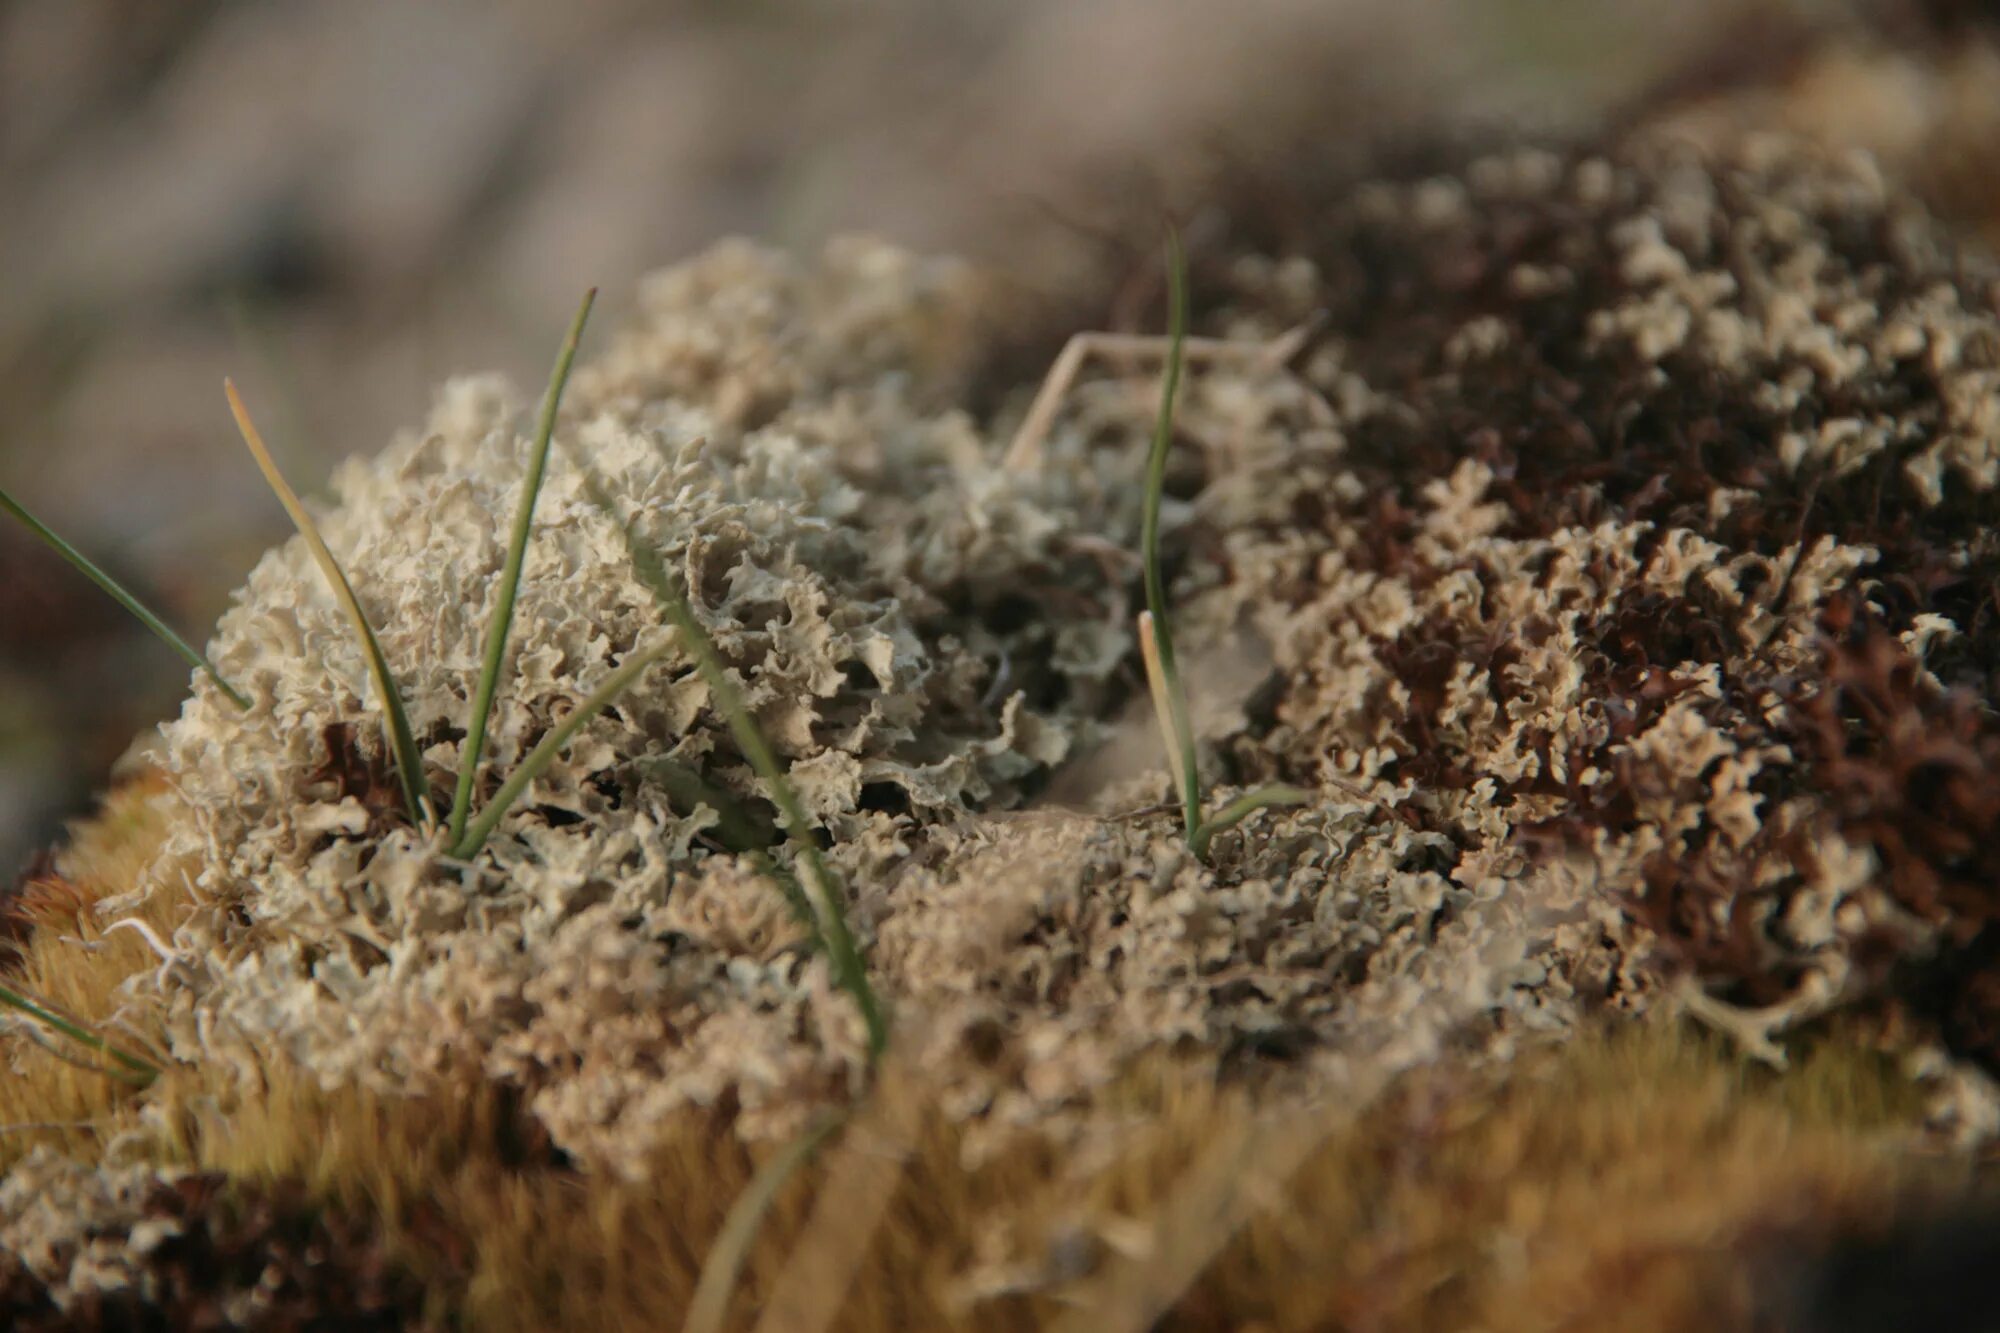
<point x="551" y="745"/>
<point x="1181" y="742"/>
<point x="821" y="889"/>
<point x="722" y="1271"/>
<point x="510" y="574"/>
<point x="787" y="884"/>
<point x="1249" y="803"/>
<point x="409" y="761"/>
<point x="118" y="594"/>
<point x="134" y="1070"/>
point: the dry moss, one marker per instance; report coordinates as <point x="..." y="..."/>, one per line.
<point x="1637" y="1175"/>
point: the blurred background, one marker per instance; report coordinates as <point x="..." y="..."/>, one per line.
<point x="340" y="202"/>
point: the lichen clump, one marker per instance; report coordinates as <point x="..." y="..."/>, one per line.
<point x="760" y="428"/>
<point x="1536" y="555"/>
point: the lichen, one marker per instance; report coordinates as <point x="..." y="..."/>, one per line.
<point x="1529" y="567"/>
<point x="853" y="555"/>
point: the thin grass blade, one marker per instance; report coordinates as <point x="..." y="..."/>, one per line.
<point x="850" y="971"/>
<point x="722" y="1270"/>
<point x="510" y="574"/>
<point x="1240" y="809"/>
<point x="57" y="1050"/>
<point x="134" y="1069"/>
<point x="787" y="883"/>
<point x="821" y="888"/>
<point x="1181" y="737"/>
<point x="409" y="761"/>
<point x="120" y="595"/>
<point x="544" y="754"/>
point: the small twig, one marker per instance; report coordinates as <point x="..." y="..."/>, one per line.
<point x="1270" y="355"/>
<point x="1144" y="812"/>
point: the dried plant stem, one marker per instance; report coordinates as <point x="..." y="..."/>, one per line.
<point x="118" y="593"/>
<point x="409" y="761"/>
<point x="510" y="575"/>
<point x="862" y="1176"/>
<point x="1163" y="706"/>
<point x="1237" y="1175"/>
<point x="1025" y="449"/>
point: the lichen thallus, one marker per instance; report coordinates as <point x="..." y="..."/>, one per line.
<point x="462" y="834"/>
<point x="723" y="1268"/>
<point x="811" y="887"/>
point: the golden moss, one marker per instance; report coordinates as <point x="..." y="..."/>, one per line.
<point x="76" y="958"/>
<point x="1615" y="1181"/>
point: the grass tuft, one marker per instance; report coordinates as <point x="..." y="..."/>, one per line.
<point x="1156" y="632"/>
<point x="409" y="761"/>
<point x="510" y="575"/>
<point x="816" y="889"/>
<point x="1156" y="641"/>
<point x="123" y="597"/>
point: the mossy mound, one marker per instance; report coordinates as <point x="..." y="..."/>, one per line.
<point x="1613" y="562"/>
